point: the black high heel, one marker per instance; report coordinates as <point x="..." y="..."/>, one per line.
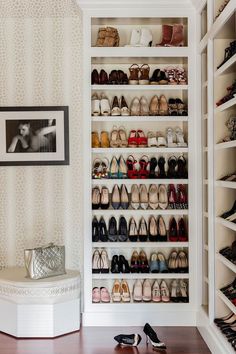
<point x="161" y="165"/>
<point x="181" y="167"/>
<point x="172" y="162"/>
<point x="153" y="165"/>
<point x="152" y="336"/>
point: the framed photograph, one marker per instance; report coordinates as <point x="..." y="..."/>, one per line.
<point x="34" y="135"/>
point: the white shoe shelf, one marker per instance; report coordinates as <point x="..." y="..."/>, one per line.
<point x="218" y="195"/>
<point x="122" y="58"/>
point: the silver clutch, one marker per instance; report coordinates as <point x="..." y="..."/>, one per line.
<point x="44" y="262"/>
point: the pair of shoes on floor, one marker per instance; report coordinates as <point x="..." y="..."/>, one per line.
<point x="134" y="339"/>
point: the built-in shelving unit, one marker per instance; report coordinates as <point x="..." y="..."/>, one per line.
<point x="113" y="58"/>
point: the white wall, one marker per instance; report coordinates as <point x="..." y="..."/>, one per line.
<point x="40" y="64"/>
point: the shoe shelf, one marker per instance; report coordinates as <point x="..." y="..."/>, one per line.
<point x="228" y="67"/>
<point x="226" y="105"/>
<point x="227" y="145"/>
<point x="152" y="306"/>
<point x="139" y="181"/>
<point x="141" y="276"/>
<point x="139" y="87"/>
<point x="226" y="223"/>
<point x="224" y="20"/>
<point x="157" y="52"/>
<point x="139" y="150"/>
<point x="140" y="212"/>
<point x="138" y="244"/>
<point x="146" y="119"/>
<point x="227" y="302"/>
<point x="225" y="184"/>
<point x="226" y="262"/>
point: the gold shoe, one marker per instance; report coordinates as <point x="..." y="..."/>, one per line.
<point x="104" y="140"/>
<point x="163" y="106"/>
<point x="135" y="201"/>
<point x="95" y="140"/>
<point x="153" y="196"/>
<point x="154" y="106"/>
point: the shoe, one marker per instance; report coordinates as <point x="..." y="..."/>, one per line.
<point x="172" y="163"/>
<point x="134" y="263"/>
<point x="142" y="230"/>
<point x="128" y="339"/>
<point x="143" y="163"/>
<point x="122" y="78"/>
<point x="182" y="231"/>
<point x="133" y="231"/>
<point x="123" y="265"/>
<point x="95" y="230"/>
<point x="153" y="165"/>
<point x="104" y="261"/>
<point x="96" y="262"/>
<point x="101" y="36"/>
<point x="124" y="107"/>
<point x="163" y="106"/>
<point x="103" y="234"/>
<point x="115" y="264"/>
<point x="134" y="75"/>
<point x="105" y="106"/>
<point x="182" y="262"/>
<point x="156" y="292"/>
<point x="115" y="197"/>
<point x="180" y="138"/>
<point x="162" y="263"/>
<point x="147" y="291"/>
<point x="172" y="197"/>
<point x="135" y="107"/>
<point x="105" y="296"/>
<point x="135" y="37"/>
<point x="137" y="291"/>
<point x="152" y="229"/>
<point x="125" y="293"/>
<point x="166" y="35"/>
<point x="105" y="143"/>
<point x="95" y="140"/>
<point x="173" y="262"/>
<point x="144" y="75"/>
<point x="115" y="109"/>
<point x="143" y="262"/>
<point x="161" y="227"/>
<point x="103" y="78"/>
<point x="96" y="198"/>
<point x="95" y="105"/>
<point x="181" y="76"/>
<point x="171" y="76"/>
<point x="132" y="171"/>
<point x="152" y="337"/>
<point x="154" y="78"/>
<point x="122" y="230"/>
<point x="104" y="198"/>
<point x="182" y="198"/>
<point x="124" y="197"/>
<point x="141" y="139"/>
<point x="114" y="168"/>
<point x="174" y="291"/>
<point x="146" y="38"/>
<point x="144" y="107"/>
<point x="172" y="107"/>
<point x="151" y="139"/>
<point x="177" y="39"/>
<point x="183" y="291"/>
<point x="154" y="104"/>
<point x="181" y="107"/>
<point x="173" y="234"/>
<point x="162" y="78"/>
<point x="165" y="293"/>
<point x="161" y="164"/>
<point x="154" y="264"/>
<point x="114" y="138"/>
<point x="135" y="199"/>
<point x="161" y="140"/>
<point x="95" y="77"/>
<point x="104" y="168"/>
<point x="96" y="295"/>
<point x="116" y="291"/>
<point x="170" y="135"/>
<point x="143" y="195"/>
<point x="133" y="139"/>
<point x="122" y="168"/>
<point x="230" y="213"/>
<point x="112" y="38"/>
<point x="122" y="137"/>
<point x="112" y="230"/>
<point x="153" y="196"/>
<point x="181" y="168"/>
<point x="162" y="197"/>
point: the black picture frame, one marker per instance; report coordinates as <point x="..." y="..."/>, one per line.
<point x="34" y="135"/>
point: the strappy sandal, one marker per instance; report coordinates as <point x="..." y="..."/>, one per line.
<point x="134" y="74"/>
<point x="173" y="108"/>
<point x="114" y="139"/>
<point x="104" y="167"/>
<point x="97" y="169"/>
<point x="144" y="77"/>
<point x="180" y="137"/>
<point x="171" y="75"/>
<point x="132" y="171"/>
<point x="181" y="76"/>
<point x="152" y="140"/>
<point x="123" y="137"/>
<point x="133" y="139"/>
<point x="143" y="163"/>
<point x="170" y="138"/>
<point x="142" y="140"/>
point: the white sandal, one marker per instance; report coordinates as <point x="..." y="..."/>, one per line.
<point x="95" y="105"/>
<point x="105" y="106"/>
<point x="135" y="107"/>
<point x="180" y="137"/>
<point x="170" y="138"/>
<point x="152" y="140"/>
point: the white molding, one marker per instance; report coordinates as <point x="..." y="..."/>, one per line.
<point x="227" y="145"/>
<point x="140" y="212"/>
<point x="141" y="276"/>
<point x="226" y="223"/>
<point x="134" y="119"/>
<point x="139" y="87"/>
<point x="88" y="4"/>
<point x="226" y="262"/>
<point x="126" y="52"/>
<point x="146" y="150"/>
<point x="145" y="181"/>
<point x="138" y="244"/>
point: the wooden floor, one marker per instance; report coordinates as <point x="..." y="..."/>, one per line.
<point x="99" y="340"/>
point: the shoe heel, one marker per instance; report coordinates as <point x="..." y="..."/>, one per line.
<point x="147" y="340"/>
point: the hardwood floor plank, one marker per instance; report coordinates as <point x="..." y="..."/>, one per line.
<point x="99" y="340"/>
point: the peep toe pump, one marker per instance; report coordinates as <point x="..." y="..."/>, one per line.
<point x="152" y="337"/>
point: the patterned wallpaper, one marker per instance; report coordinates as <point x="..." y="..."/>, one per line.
<point x="41" y="64"/>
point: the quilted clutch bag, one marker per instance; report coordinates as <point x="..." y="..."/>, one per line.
<point x="44" y="262"/>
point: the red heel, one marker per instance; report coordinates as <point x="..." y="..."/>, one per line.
<point x="172" y="196"/>
<point x="132" y="171"/>
<point x="133" y="139"/>
<point x="141" y="140"/>
<point x="143" y="162"/>
<point x="182" y="231"/>
<point x="182" y="197"/>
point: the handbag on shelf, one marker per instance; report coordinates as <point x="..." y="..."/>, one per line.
<point x="44" y="262"/>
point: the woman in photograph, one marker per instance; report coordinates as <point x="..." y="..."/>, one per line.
<point x="30" y="140"/>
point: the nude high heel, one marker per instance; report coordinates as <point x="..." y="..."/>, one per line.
<point x="154" y="106"/>
<point x="153" y="196"/>
<point x="135" y="199"/>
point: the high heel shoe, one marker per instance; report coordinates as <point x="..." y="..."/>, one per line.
<point x="104" y="198"/>
<point x="161" y="165"/>
<point x="153" y="165"/>
<point x="152" y="336"/>
<point x="115" y="197"/>
<point x="103" y="234"/>
<point x="132" y="171"/>
<point x="133" y="231"/>
<point x="143" y="162"/>
<point x="128" y="339"/>
<point x="112" y="230"/>
<point x="142" y="231"/>
<point x="123" y="230"/>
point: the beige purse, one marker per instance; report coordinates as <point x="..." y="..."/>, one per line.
<point x="44" y="262"/>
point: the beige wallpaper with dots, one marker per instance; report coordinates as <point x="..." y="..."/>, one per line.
<point x="41" y="64"/>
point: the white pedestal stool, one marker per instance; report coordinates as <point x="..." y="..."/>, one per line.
<point x="39" y="308"/>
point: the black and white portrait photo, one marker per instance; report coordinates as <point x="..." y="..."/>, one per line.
<point x="34" y="135"/>
<point x="31" y="135"/>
